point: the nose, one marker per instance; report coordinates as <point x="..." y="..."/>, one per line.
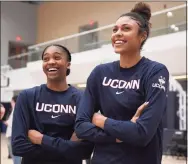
<point x="119" y="32"/>
<point x="51" y="61"/>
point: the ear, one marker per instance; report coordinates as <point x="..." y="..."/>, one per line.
<point x="150" y="25"/>
<point x="68" y="65"/>
<point x="143" y="36"/>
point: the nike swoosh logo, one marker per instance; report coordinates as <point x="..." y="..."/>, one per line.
<point x="55" y="116"/>
<point x="117" y="93"/>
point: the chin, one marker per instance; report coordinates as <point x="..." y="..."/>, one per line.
<point x="118" y="51"/>
<point x="53" y="78"/>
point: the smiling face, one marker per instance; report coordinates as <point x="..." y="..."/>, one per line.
<point x="126" y="36"/>
<point x="55" y="63"/>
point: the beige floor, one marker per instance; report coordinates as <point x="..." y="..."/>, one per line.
<point x="4" y="152"/>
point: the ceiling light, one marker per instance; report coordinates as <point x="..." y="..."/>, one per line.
<point x="169" y="14"/>
<point x="176" y="29"/>
<point x="172" y="26"/>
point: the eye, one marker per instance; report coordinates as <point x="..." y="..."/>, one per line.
<point x="126" y="28"/>
<point x="115" y="29"/>
<point x="58" y="57"/>
<point x="45" y="59"/>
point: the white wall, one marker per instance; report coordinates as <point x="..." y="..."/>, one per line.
<point x="17" y="18"/>
<point x="168" y="49"/>
<point x="6" y="95"/>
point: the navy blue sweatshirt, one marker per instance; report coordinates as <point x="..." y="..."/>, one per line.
<point x="53" y="114"/>
<point x="117" y="93"/>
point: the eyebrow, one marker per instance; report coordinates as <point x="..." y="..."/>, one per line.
<point x="121" y="25"/>
<point x="53" y="53"/>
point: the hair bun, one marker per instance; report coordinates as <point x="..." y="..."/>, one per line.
<point x="142" y="9"/>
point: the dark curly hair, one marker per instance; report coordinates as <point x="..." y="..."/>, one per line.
<point x="141" y="13"/>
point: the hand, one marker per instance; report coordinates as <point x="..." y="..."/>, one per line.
<point x="137" y="115"/>
<point x="35" y="137"/>
<point x="99" y="120"/>
<point x="6" y="123"/>
<point x="118" y="141"/>
<point x="74" y="137"/>
<point x="139" y="112"/>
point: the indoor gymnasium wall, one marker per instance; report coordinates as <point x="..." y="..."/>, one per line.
<point x="59" y="19"/>
<point x="83" y="63"/>
<point x="17" y="19"/>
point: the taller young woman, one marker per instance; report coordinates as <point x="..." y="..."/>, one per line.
<point x="117" y="89"/>
<point x="44" y="116"/>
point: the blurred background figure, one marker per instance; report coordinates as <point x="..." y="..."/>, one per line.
<point x="16" y="159"/>
<point x="2" y="111"/>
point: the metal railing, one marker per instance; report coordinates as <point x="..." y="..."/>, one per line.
<point x="161" y="25"/>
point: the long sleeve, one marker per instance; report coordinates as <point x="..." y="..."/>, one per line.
<point x="78" y="150"/>
<point x="88" y="106"/>
<point x="141" y="132"/>
<point x="21" y="145"/>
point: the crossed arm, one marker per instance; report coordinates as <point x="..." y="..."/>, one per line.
<point x="98" y="128"/>
<point x="42" y="145"/>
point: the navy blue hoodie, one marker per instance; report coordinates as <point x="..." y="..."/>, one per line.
<point x="53" y="114"/>
<point x="117" y="93"/>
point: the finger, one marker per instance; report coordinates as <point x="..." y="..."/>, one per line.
<point x="143" y="106"/>
<point x="134" y="119"/>
<point x="140" y="109"/>
<point x="118" y="141"/>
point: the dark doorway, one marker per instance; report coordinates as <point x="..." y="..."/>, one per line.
<point x="16" y="48"/>
<point x="88" y="41"/>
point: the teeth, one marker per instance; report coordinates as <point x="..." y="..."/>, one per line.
<point x="52" y="69"/>
<point x="119" y="41"/>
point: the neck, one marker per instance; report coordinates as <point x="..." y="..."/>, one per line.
<point x="128" y="60"/>
<point x="57" y="85"/>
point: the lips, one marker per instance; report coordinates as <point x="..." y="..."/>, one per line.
<point x="52" y="69"/>
<point x="120" y="42"/>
